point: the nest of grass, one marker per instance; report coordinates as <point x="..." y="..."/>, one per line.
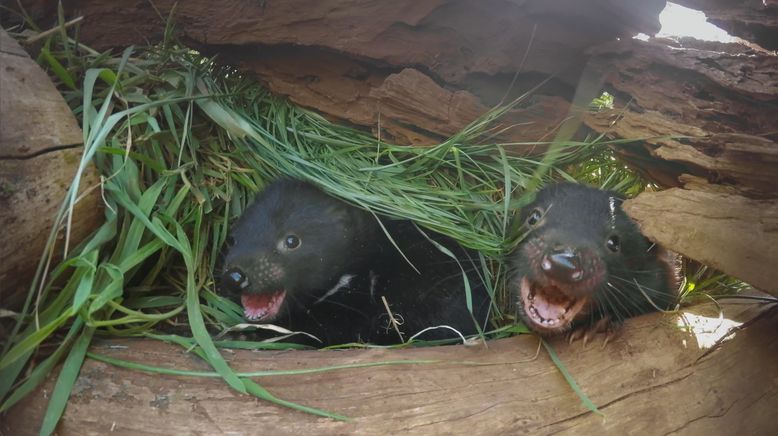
<point x="182" y="144"/>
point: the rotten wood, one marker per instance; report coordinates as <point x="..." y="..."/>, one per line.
<point x="752" y="20"/>
<point x="736" y="235"/>
<point x="34" y="115"/>
<point x="416" y="72"/>
<point x="704" y="113"/>
<point x="655" y="378"/>
<point x="360" y="61"/>
<point x="39" y="154"/>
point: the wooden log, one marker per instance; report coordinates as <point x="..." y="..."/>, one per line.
<point x="655" y="378"/>
<point x="752" y="20"/>
<point x="707" y="113"/>
<point x="39" y="153"/>
<point x="34" y="115"/>
<point x="358" y="61"/>
<point x="406" y="107"/>
<point x="731" y="233"/>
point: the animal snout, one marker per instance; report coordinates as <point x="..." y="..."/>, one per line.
<point x="563" y="265"/>
<point x="235" y="279"/>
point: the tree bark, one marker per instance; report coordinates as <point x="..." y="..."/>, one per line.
<point x="655" y="378"/>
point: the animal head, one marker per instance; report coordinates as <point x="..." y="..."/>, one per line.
<point x="290" y="246"/>
<point x="583" y="259"/>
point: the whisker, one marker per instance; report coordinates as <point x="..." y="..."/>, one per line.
<point x="646" y="288"/>
<point x="623" y="311"/>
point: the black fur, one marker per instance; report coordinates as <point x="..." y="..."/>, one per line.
<point x="568" y="227"/>
<point x="336" y="240"/>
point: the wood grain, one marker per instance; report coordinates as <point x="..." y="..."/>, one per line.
<point x="729" y="232"/>
<point x="33" y="115"/>
<point x="647" y="381"/>
<point x="39" y="154"/>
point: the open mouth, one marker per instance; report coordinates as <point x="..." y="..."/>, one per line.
<point x="262" y="307"/>
<point x="547" y="308"/>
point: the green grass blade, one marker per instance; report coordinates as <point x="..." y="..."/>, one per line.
<point x="67" y="377"/>
<point x="196" y="322"/>
<point x="570" y="380"/>
<point x="260" y="392"/>
<point x="10" y="373"/>
<point x="29" y="343"/>
<point x="40" y="372"/>
<point x="84" y="288"/>
<point x="58" y="70"/>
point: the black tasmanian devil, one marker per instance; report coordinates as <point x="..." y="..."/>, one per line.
<point x="307" y="261"/>
<point x="584" y="266"/>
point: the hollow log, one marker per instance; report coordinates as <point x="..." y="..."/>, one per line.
<point x="734" y="234"/>
<point x="705" y="113"/>
<point x="709" y="377"/>
<point x="416" y="72"/>
<point x="359" y="61"/>
<point x="40" y="149"/>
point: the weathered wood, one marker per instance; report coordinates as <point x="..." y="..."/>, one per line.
<point x="39" y="154"/>
<point x="655" y="378"/>
<point x="359" y="61"/>
<point x="33" y="115"/>
<point x="707" y="113"/>
<point x="747" y="162"/>
<point x="731" y="233"/>
<point x="9" y="46"/>
<point x="752" y="20"/>
<point x="487" y="37"/>
<point x="418" y="71"/>
<point x="722" y="104"/>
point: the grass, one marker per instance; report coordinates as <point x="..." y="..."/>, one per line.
<point x="182" y="144"/>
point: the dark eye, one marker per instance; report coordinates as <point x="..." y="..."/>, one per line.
<point x="613" y="243"/>
<point x="230" y="241"/>
<point x="291" y="242"/>
<point x="534" y="217"/>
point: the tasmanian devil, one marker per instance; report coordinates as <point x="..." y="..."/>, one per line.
<point x="307" y="261"/>
<point x="584" y="266"/>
